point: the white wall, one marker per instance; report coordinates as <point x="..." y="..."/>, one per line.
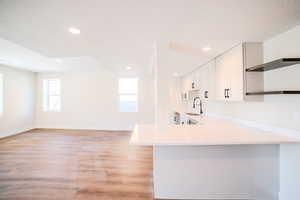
<point x="90" y="101"/>
<point x="19" y="101"/>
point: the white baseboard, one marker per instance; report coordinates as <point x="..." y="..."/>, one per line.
<point x="16" y="132"/>
<point x="82" y="128"/>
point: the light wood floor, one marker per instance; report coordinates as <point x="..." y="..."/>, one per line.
<point x="80" y="165"/>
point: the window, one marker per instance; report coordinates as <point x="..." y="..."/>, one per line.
<point x="1" y="95"/>
<point x="51" y="91"/>
<point x="128" y="88"/>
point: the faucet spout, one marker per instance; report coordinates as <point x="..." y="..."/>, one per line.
<point x="201" y="110"/>
<point x="194" y="101"/>
<point x="200" y="104"/>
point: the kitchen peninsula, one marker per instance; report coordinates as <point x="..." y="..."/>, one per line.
<point x="217" y="159"/>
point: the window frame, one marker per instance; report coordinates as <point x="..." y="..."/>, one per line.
<point x="129" y="94"/>
<point x="47" y="95"/>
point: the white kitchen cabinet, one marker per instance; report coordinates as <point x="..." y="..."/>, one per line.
<point x="184" y="88"/>
<point x="195" y="80"/>
<point x="185" y="96"/>
<point x="230" y="77"/>
<point x="207" y="81"/>
<point x="191" y="82"/>
<point x="185" y="83"/>
<point x="224" y="77"/>
<point x="202" y="81"/>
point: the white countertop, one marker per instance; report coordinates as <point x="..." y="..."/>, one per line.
<point x="209" y="132"/>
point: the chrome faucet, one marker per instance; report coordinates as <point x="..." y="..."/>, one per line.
<point x="200" y="104"/>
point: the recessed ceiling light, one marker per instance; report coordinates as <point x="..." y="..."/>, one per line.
<point x="175" y="74"/>
<point x="74" y="31"/>
<point x="128" y="68"/>
<point x="58" y="60"/>
<point x="206" y="48"/>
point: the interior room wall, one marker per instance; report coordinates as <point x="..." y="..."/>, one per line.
<point x="277" y="110"/>
<point x="90" y="101"/>
<point x="19" y="101"/>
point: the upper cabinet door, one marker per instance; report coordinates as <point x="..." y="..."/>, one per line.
<point x="229" y="75"/>
<point x="211" y="79"/>
<point x="191" y="81"/>
<point x="234" y="74"/>
<point x="186" y="82"/>
<point x="221" y="77"/>
<point x="195" y="80"/>
<point x="207" y="81"/>
<point x="231" y="81"/>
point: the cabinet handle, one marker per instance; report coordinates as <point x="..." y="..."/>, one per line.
<point x="226" y="93"/>
<point x="193" y="85"/>
<point x="206" y="94"/>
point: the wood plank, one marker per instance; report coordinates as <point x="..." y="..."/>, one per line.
<point x="74" y="164"/>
